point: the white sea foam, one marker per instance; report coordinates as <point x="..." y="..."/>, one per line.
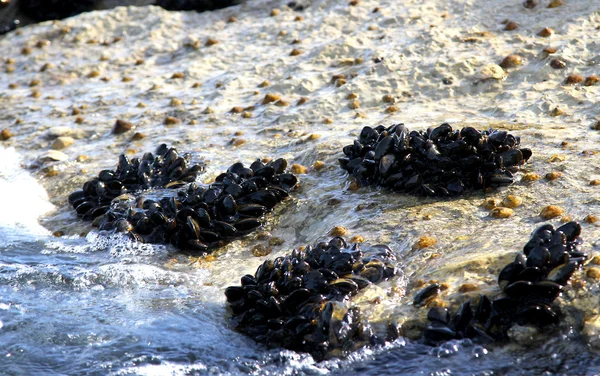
<point x="22" y="201"/>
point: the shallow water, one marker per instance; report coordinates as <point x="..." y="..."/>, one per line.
<point x="87" y="303"/>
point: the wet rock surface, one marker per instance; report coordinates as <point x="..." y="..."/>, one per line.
<point x="437" y="162"/>
<point x="302" y="301"/>
<point x="191" y="217"/>
<point x="529" y="285"/>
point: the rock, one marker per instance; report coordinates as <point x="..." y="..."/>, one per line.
<point x="62" y="142"/>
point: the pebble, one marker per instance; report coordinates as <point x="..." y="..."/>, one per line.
<point x="178" y="75"/>
<point x="169" y="120"/>
<point x="574" y="79"/>
<point x="62" y="142"/>
<point x="301" y="101"/>
<point x="546" y="32"/>
<point x="354" y="104"/>
<point x="176" y="102"/>
<point x="237" y="110"/>
<point x="5" y="134"/>
<point x="260" y="250"/>
<point x="551" y="211"/>
<point x="46" y="66"/>
<point x="549" y="50"/>
<point x="282" y="103"/>
<point x="590" y="218"/>
<point x="392" y="109"/>
<point x="424" y="242"/>
<point x="490" y="203"/>
<point x="338" y="231"/>
<point x="357" y="239"/>
<point x="595" y="260"/>
<point x="270" y="97"/>
<point x="319" y="165"/>
<point x="591" y="80"/>
<point x="388" y="98"/>
<point x="246" y="115"/>
<point x="65" y="131"/>
<point x="327" y="121"/>
<point x="299" y="169"/>
<point x="353" y="186"/>
<point x="530" y="176"/>
<point x="595" y="182"/>
<point x="511" y="61"/>
<point x="491" y="72"/>
<point x="295" y="52"/>
<point x="53" y="156"/>
<point x="467" y="287"/>
<point x="211" y="42"/>
<point x="557" y="158"/>
<point x="553" y="175"/>
<point x="265" y="83"/>
<point x="79" y="120"/>
<point x="275" y="12"/>
<point x="511" y="25"/>
<point x="121" y="126"/>
<point x="501" y="212"/>
<point x="275" y="241"/>
<point x="555" y="4"/>
<point x="593" y="273"/>
<point x="530" y="4"/>
<point x="557" y="63"/>
<point x="512" y="201"/>
<point x="51" y="171"/>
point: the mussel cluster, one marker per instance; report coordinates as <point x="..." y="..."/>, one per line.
<point x="438" y="162"/>
<point x="301" y="301"/>
<point x="191" y="217"/>
<point x="529" y="286"/>
<point x="165" y="170"/>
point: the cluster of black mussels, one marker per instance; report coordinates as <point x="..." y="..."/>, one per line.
<point x="438" y="162"/>
<point x="300" y="301"/>
<point x="529" y="286"/>
<point x="166" y="169"/>
<point x="191" y="217"/>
